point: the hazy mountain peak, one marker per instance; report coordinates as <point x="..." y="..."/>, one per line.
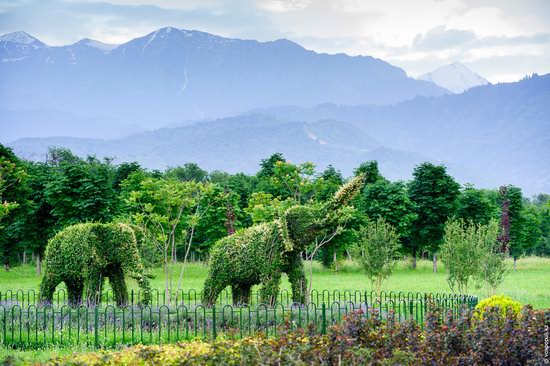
<point x="106" y="47"/>
<point x="454" y="77"/>
<point x="21" y="38"/>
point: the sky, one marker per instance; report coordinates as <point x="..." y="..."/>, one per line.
<point x="502" y="40"/>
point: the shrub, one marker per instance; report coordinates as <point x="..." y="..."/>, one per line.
<point x="446" y="339"/>
<point x="376" y="251"/>
<point x="504" y="303"/>
<point x="470" y="253"/>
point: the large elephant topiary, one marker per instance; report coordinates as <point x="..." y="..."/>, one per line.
<point x="261" y="253"/>
<point x="83" y="255"/>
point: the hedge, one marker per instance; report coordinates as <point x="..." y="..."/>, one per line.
<point x="445" y="340"/>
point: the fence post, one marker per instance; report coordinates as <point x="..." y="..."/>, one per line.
<point x="324" y="319"/>
<point x="96" y="325"/>
<point x="214" y="322"/>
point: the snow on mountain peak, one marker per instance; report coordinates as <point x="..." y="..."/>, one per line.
<point x="105" y="47"/>
<point x="21" y="38"/>
<point x="454" y="77"/>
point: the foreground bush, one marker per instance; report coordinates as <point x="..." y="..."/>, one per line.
<point x="445" y="340"/>
<point x="505" y="303"/>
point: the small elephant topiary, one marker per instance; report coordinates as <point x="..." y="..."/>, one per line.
<point x="261" y="253"/>
<point x="83" y="255"/>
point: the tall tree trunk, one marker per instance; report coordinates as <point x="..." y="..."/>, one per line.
<point x="515" y="264"/>
<point x="414" y="261"/>
<point x="38" y="265"/>
<point x="435" y="262"/>
<point x="24" y="257"/>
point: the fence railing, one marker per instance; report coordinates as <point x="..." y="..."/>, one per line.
<point x="33" y="325"/>
<point x="193" y="297"/>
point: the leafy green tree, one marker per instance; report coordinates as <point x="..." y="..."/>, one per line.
<point x="328" y="183"/>
<point x="542" y="248"/>
<point x="265" y="176"/>
<point x="169" y="211"/>
<point x="474" y="205"/>
<point x="123" y="171"/>
<point x="10" y="176"/>
<point x="187" y="173"/>
<point x="520" y="238"/>
<point x="434" y="194"/>
<point x="294" y="181"/>
<point x="492" y="267"/>
<point x="471" y="253"/>
<point x="213" y="224"/>
<point x="241" y="184"/>
<point x="387" y="200"/>
<point x="531" y="235"/>
<point x="38" y="224"/>
<point x="371" y="172"/>
<point x="459" y="253"/>
<point x="267" y="166"/>
<point x="14" y="192"/>
<point x="81" y="190"/>
<point x="377" y="251"/>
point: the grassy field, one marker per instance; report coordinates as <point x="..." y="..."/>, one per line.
<point x="530" y="284"/>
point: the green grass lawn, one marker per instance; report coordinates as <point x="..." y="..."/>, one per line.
<point x="530" y="284"/>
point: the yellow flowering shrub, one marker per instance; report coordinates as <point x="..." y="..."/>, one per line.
<point x="502" y="302"/>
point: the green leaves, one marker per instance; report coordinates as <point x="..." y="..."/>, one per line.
<point x="81" y="190"/>
<point x="377" y="250"/>
<point x="433" y="193"/>
<point x="471" y="252"/>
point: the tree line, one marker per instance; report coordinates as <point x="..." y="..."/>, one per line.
<point x="186" y="209"/>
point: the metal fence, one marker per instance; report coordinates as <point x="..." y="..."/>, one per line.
<point x="193" y="297"/>
<point x="25" y="323"/>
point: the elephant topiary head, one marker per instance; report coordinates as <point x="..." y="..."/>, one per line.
<point x="300" y="225"/>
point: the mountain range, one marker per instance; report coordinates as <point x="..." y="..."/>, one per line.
<point x="172" y="75"/>
<point x="501" y="131"/>
<point x="230" y="103"/>
<point x="238" y="144"/>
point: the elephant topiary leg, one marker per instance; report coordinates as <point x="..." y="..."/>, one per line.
<point x="74" y="288"/>
<point x="93" y="287"/>
<point x="270" y="289"/>
<point x="241" y="294"/>
<point x="298" y="281"/>
<point x="212" y="288"/>
<point x="120" y="291"/>
<point x="47" y="287"/>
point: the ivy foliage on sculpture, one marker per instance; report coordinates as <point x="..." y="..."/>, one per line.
<point x="83" y="255"/>
<point x="262" y="253"/>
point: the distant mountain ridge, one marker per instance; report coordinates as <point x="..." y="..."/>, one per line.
<point x="172" y="75"/>
<point x="238" y="144"/>
<point x="501" y="132"/>
<point x="454" y="77"/>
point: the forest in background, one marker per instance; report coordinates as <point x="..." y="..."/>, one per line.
<point x="187" y="209"/>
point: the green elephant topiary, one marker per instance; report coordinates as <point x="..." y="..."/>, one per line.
<point x="261" y="253"/>
<point x="83" y="255"/>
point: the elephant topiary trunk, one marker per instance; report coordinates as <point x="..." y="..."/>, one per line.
<point x="83" y="255"/>
<point x="262" y="253"/>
